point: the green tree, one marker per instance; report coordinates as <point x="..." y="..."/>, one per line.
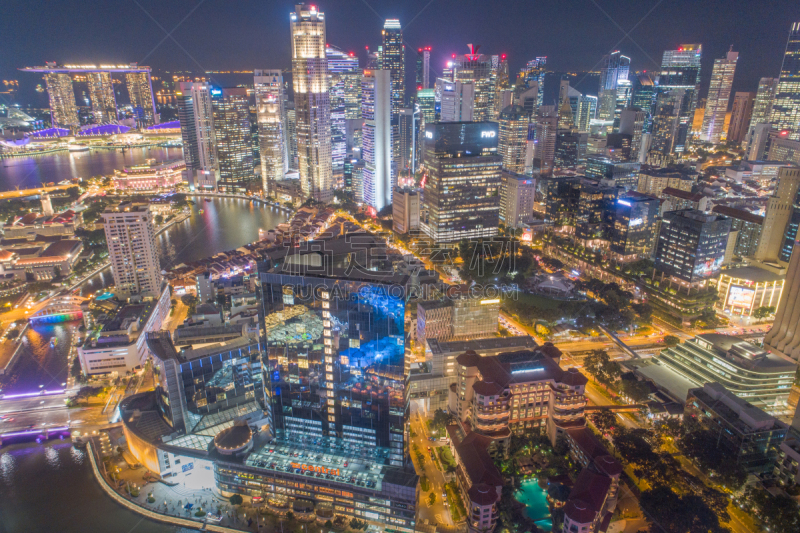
<point x="236" y="500"/>
<point x="604" y="420"/>
<point x="600" y="365"/>
<point x="763" y="311"/>
<point x="636" y="390"/>
<point x="357" y="524"/>
<point x="671" y="340"/>
<point x="679" y="514"/>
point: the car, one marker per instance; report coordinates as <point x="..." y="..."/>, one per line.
<point x="432" y="439"/>
<point x="429" y="448"/>
<point x="211" y="517"/>
<point x="346" y="463"/>
<point x="444" y="495"/>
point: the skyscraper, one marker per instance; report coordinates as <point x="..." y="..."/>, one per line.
<point x="691" y="245"/>
<point x="63" y="111"/>
<point x="477" y="69"/>
<point x="342" y="72"/>
<point x="196" y="114"/>
<point x="786" y="109"/>
<point x="393" y="59"/>
<point x="546" y="127"/>
<point x="740" y="116"/>
<point x="779" y="211"/>
<point x="405" y="139"/>
<point x="680" y="69"/>
<point x="268" y="86"/>
<point x="762" y="106"/>
<point x="376" y="141"/>
<point x="312" y="102"/>
<point x="462" y="193"/>
<point x="132" y="251"/>
<point x="784" y="337"/>
<point x="719" y="92"/>
<point x="614" y="70"/>
<point x="233" y="139"/>
<point x="423" y="78"/>
<point x="140" y="91"/>
<point x="101" y="93"/>
<point x="458" y="101"/>
<point x="683" y="61"/>
<point x="513" y="123"/>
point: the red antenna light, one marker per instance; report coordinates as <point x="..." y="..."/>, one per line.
<point x="454" y="56"/>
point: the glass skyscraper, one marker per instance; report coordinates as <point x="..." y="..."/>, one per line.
<point x="719" y="92"/>
<point x="233" y="138"/>
<point x="786" y="109"/>
<point x="335" y="360"/>
<point x="393" y="60"/>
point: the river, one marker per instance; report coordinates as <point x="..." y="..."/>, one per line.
<point x="31" y="172"/>
<point x="50" y="486"/>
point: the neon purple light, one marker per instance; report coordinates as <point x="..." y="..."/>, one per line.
<point x="30" y="394"/>
<point x="33" y="432"/>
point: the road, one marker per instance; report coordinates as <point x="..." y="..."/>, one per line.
<point x="438" y="513"/>
<point x="9" y="195"/>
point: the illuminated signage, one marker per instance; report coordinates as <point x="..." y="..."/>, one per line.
<point x="523" y="370"/>
<point x="488" y="134"/>
<point x="216" y="91"/>
<point x="313" y="468"/>
<point x="487" y="302"/>
<point x="740" y="297"/>
<point x="429" y="135"/>
<point x="636" y="222"/>
<point x="623" y="202"/>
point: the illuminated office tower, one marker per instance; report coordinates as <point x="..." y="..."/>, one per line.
<point x="426" y="114"/>
<point x="63" y="111"/>
<point x="632" y="122"/>
<point x="342" y="72"/>
<point x="784" y="337"/>
<point x="196" y="114"/>
<point x="682" y="61"/>
<point x="458" y="101"/>
<point x="405" y="140"/>
<point x="132" y="251"/>
<point x="762" y="106"/>
<point x="233" y="138"/>
<point x="546" y="127"/>
<point x="291" y="135"/>
<point x="614" y="69"/>
<point x="376" y="140"/>
<point x="312" y="102"/>
<point x="462" y="194"/>
<point x="665" y="126"/>
<point x="533" y="74"/>
<point x="786" y="108"/>
<point x="477" y="69"/>
<point x="780" y="208"/>
<point x="140" y="91"/>
<point x="393" y="56"/>
<point x="719" y="92"/>
<point x="513" y="122"/>
<point x="503" y="93"/>
<point x="423" y="79"/>
<point x="740" y="116"/>
<point x="101" y="93"/>
<point x="268" y="88"/>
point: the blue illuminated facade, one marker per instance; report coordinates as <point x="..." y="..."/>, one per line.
<point x="335" y="360"/>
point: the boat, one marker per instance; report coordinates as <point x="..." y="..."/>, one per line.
<point x="78" y="147"/>
<point x="208" y="199"/>
<point x="53" y="341"/>
<point x="201" y="211"/>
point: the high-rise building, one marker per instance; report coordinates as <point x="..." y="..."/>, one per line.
<point x="63" y="111"/>
<point x="613" y="71"/>
<point x="140" y="91"/>
<point x="477" y="69"/>
<point x="784" y="337"/>
<point x="633" y="121"/>
<point x="513" y="122"/>
<point x="233" y="139"/>
<point x="719" y="92"/>
<point x="625" y="174"/>
<point x="423" y="78"/>
<point x="678" y="68"/>
<point x="458" y="101"/>
<point x="312" y="102"/>
<point x="405" y="140"/>
<point x="376" y="141"/>
<point x="393" y="59"/>
<point x="666" y="119"/>
<point x="633" y="226"/>
<point x="291" y="132"/>
<point x="342" y="379"/>
<point x="196" y="114"/>
<point x="757" y="139"/>
<point x="268" y="88"/>
<point x="101" y="93"/>
<point x="546" y="124"/>
<point x="405" y="209"/>
<point x="132" y="251"/>
<point x="517" y="193"/>
<point x="785" y="113"/>
<point x="745" y="230"/>
<point x="343" y="73"/>
<point x="740" y="116"/>
<point x="691" y="245"/>
<point x="462" y="192"/>
<point x="762" y="106"/>
<point x="778" y="214"/>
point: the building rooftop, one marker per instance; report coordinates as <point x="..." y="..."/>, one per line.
<point x="736" y="411"/>
<point x="739" y="214"/>
<point x="752" y="273"/>
<point x="491" y="344"/>
<point x="738" y="350"/>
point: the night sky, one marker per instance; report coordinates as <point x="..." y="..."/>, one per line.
<point x="247" y="34"/>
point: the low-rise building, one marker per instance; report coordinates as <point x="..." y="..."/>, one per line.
<point x="746" y="370"/>
<point x="35" y="225"/>
<point x="405" y="209"/>
<point x="150" y="176"/>
<point x="517" y="193"/>
<point x="119" y="343"/>
<point x="749" y="434"/>
<point x="457" y="318"/>
<point x="745" y="231"/>
<point x="787" y="467"/>
<point x="653" y="180"/>
<point x="41" y="260"/>
<point x="743" y="290"/>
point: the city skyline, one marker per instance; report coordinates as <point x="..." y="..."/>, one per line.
<point x="574" y="44"/>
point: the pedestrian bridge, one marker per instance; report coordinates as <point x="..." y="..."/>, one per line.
<point x="60" y="309"/>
